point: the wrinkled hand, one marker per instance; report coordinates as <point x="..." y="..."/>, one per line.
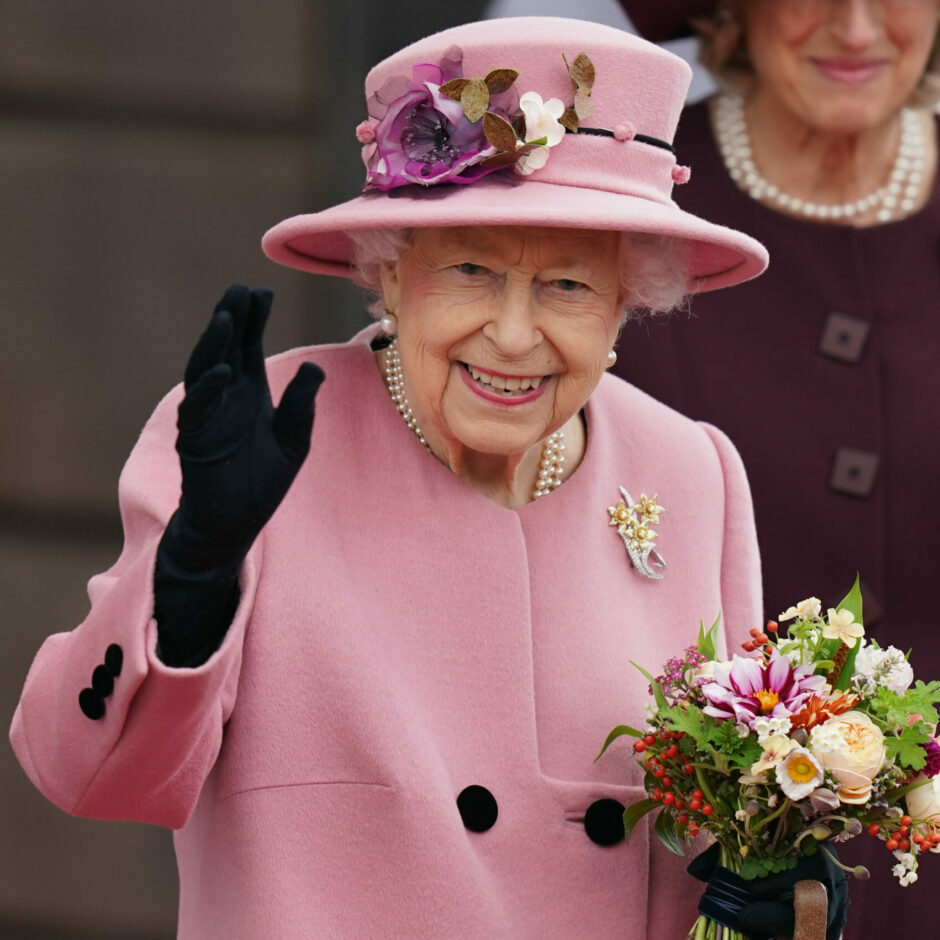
<point x="238" y="453"/>
<point x="239" y="456"/>
<point x="763" y="907"/>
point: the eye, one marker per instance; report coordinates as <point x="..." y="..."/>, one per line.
<point x="471" y="270"/>
<point x="567" y="285"/>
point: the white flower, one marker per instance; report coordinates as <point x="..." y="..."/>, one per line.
<point x="541" y="121"/>
<point x="842" y="626"/>
<point x="741" y="815"/>
<point x="799" y="773"/>
<point x="769" y="727"/>
<point x="775" y="749"/>
<point x="742" y="729"/>
<point x="826" y="738"/>
<point x="772" y="800"/>
<point x="906" y="869"/>
<point x="888" y="667"/>
<point x="650" y="708"/>
<point x="805" y="610"/>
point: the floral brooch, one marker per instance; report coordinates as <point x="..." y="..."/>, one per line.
<point x="634" y="522"/>
<point x="443" y="128"/>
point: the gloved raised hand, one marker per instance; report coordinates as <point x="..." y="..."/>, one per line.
<point x="239" y="455"/>
<point x="762" y="908"/>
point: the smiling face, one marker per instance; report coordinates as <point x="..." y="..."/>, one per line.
<point x="503" y="331"/>
<point x="842" y="66"/>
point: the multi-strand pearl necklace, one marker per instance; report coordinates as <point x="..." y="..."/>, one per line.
<point x="898" y="197"/>
<point x="552" y="465"/>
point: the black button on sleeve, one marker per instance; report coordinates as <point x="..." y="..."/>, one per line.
<point x="91" y="704"/>
<point x="114" y="659"/>
<point x="477" y="807"/>
<point x="102" y="681"/>
<point x="603" y="822"/>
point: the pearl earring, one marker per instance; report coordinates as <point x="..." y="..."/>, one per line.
<point x="611" y="358"/>
<point x="389" y="323"/>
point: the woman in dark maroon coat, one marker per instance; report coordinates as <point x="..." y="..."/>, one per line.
<point x="824" y="372"/>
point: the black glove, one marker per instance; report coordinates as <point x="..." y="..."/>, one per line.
<point x="239" y="456"/>
<point x="762" y="908"/>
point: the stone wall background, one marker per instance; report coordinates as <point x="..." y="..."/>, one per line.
<point x="144" y="149"/>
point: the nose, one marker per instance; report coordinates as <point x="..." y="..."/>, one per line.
<point x="513" y="328"/>
<point x="856" y="23"/>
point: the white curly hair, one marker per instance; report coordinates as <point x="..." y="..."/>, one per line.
<point x="653" y="268"/>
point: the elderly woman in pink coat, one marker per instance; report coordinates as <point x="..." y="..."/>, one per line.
<point x="365" y="676"/>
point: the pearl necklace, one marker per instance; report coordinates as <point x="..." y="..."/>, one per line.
<point x="896" y="198"/>
<point x="553" y="450"/>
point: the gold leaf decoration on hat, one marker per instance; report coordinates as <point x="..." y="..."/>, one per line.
<point x="475" y="99"/>
<point x="582" y="74"/>
<point x="454" y="88"/>
<point x="570" y="120"/>
<point x="500" y="80"/>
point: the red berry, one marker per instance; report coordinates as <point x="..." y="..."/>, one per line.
<point x="693" y="829"/>
<point x="697" y="794"/>
<point x="904" y="830"/>
<point x="664" y="735"/>
<point x="904" y="844"/>
<point x="761" y="638"/>
<point x="874" y="829"/>
<point x="671" y="751"/>
<point x="688" y="768"/>
<point x="639" y="746"/>
<point x="695" y="804"/>
<point x="906" y="820"/>
<point x="771" y="626"/>
<point x="666" y="781"/>
<point x="749" y="646"/>
<point x="680" y="804"/>
<point x="658" y="771"/>
<point x="679" y="735"/>
<point x="669" y="798"/>
<point x="656" y="794"/>
<point x="918" y="838"/>
<point x="708" y="809"/>
<point x="649" y="738"/>
<point x="754" y="631"/>
<point x="683" y="819"/>
<point x="891" y="844"/>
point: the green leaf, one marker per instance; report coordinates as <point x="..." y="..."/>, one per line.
<point x="665" y="828"/>
<point x="618" y="732"/>
<point x="853" y="602"/>
<point x="906" y="749"/>
<point x="661" y="702"/>
<point x="706" y="640"/>
<point x="635" y="812"/>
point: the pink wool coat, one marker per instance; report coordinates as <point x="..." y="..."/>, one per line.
<point x="400" y="638"/>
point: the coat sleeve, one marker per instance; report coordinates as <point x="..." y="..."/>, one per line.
<point x="103" y="728"/>
<point x="742" y="606"/>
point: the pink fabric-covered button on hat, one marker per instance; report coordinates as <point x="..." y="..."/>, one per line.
<point x="527" y="121"/>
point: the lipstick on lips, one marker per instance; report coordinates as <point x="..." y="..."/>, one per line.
<point x="849" y="71"/>
<point x="500" y="388"/>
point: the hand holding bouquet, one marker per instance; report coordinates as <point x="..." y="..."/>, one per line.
<point x="811" y="739"/>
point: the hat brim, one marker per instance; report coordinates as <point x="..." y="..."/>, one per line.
<point x="318" y="242"/>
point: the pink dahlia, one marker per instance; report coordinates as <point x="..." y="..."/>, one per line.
<point x="746" y="689"/>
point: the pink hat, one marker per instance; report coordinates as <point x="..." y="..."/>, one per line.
<point x="529" y="121"/>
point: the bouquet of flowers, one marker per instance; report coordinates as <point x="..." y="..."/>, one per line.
<point x="813" y="737"/>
